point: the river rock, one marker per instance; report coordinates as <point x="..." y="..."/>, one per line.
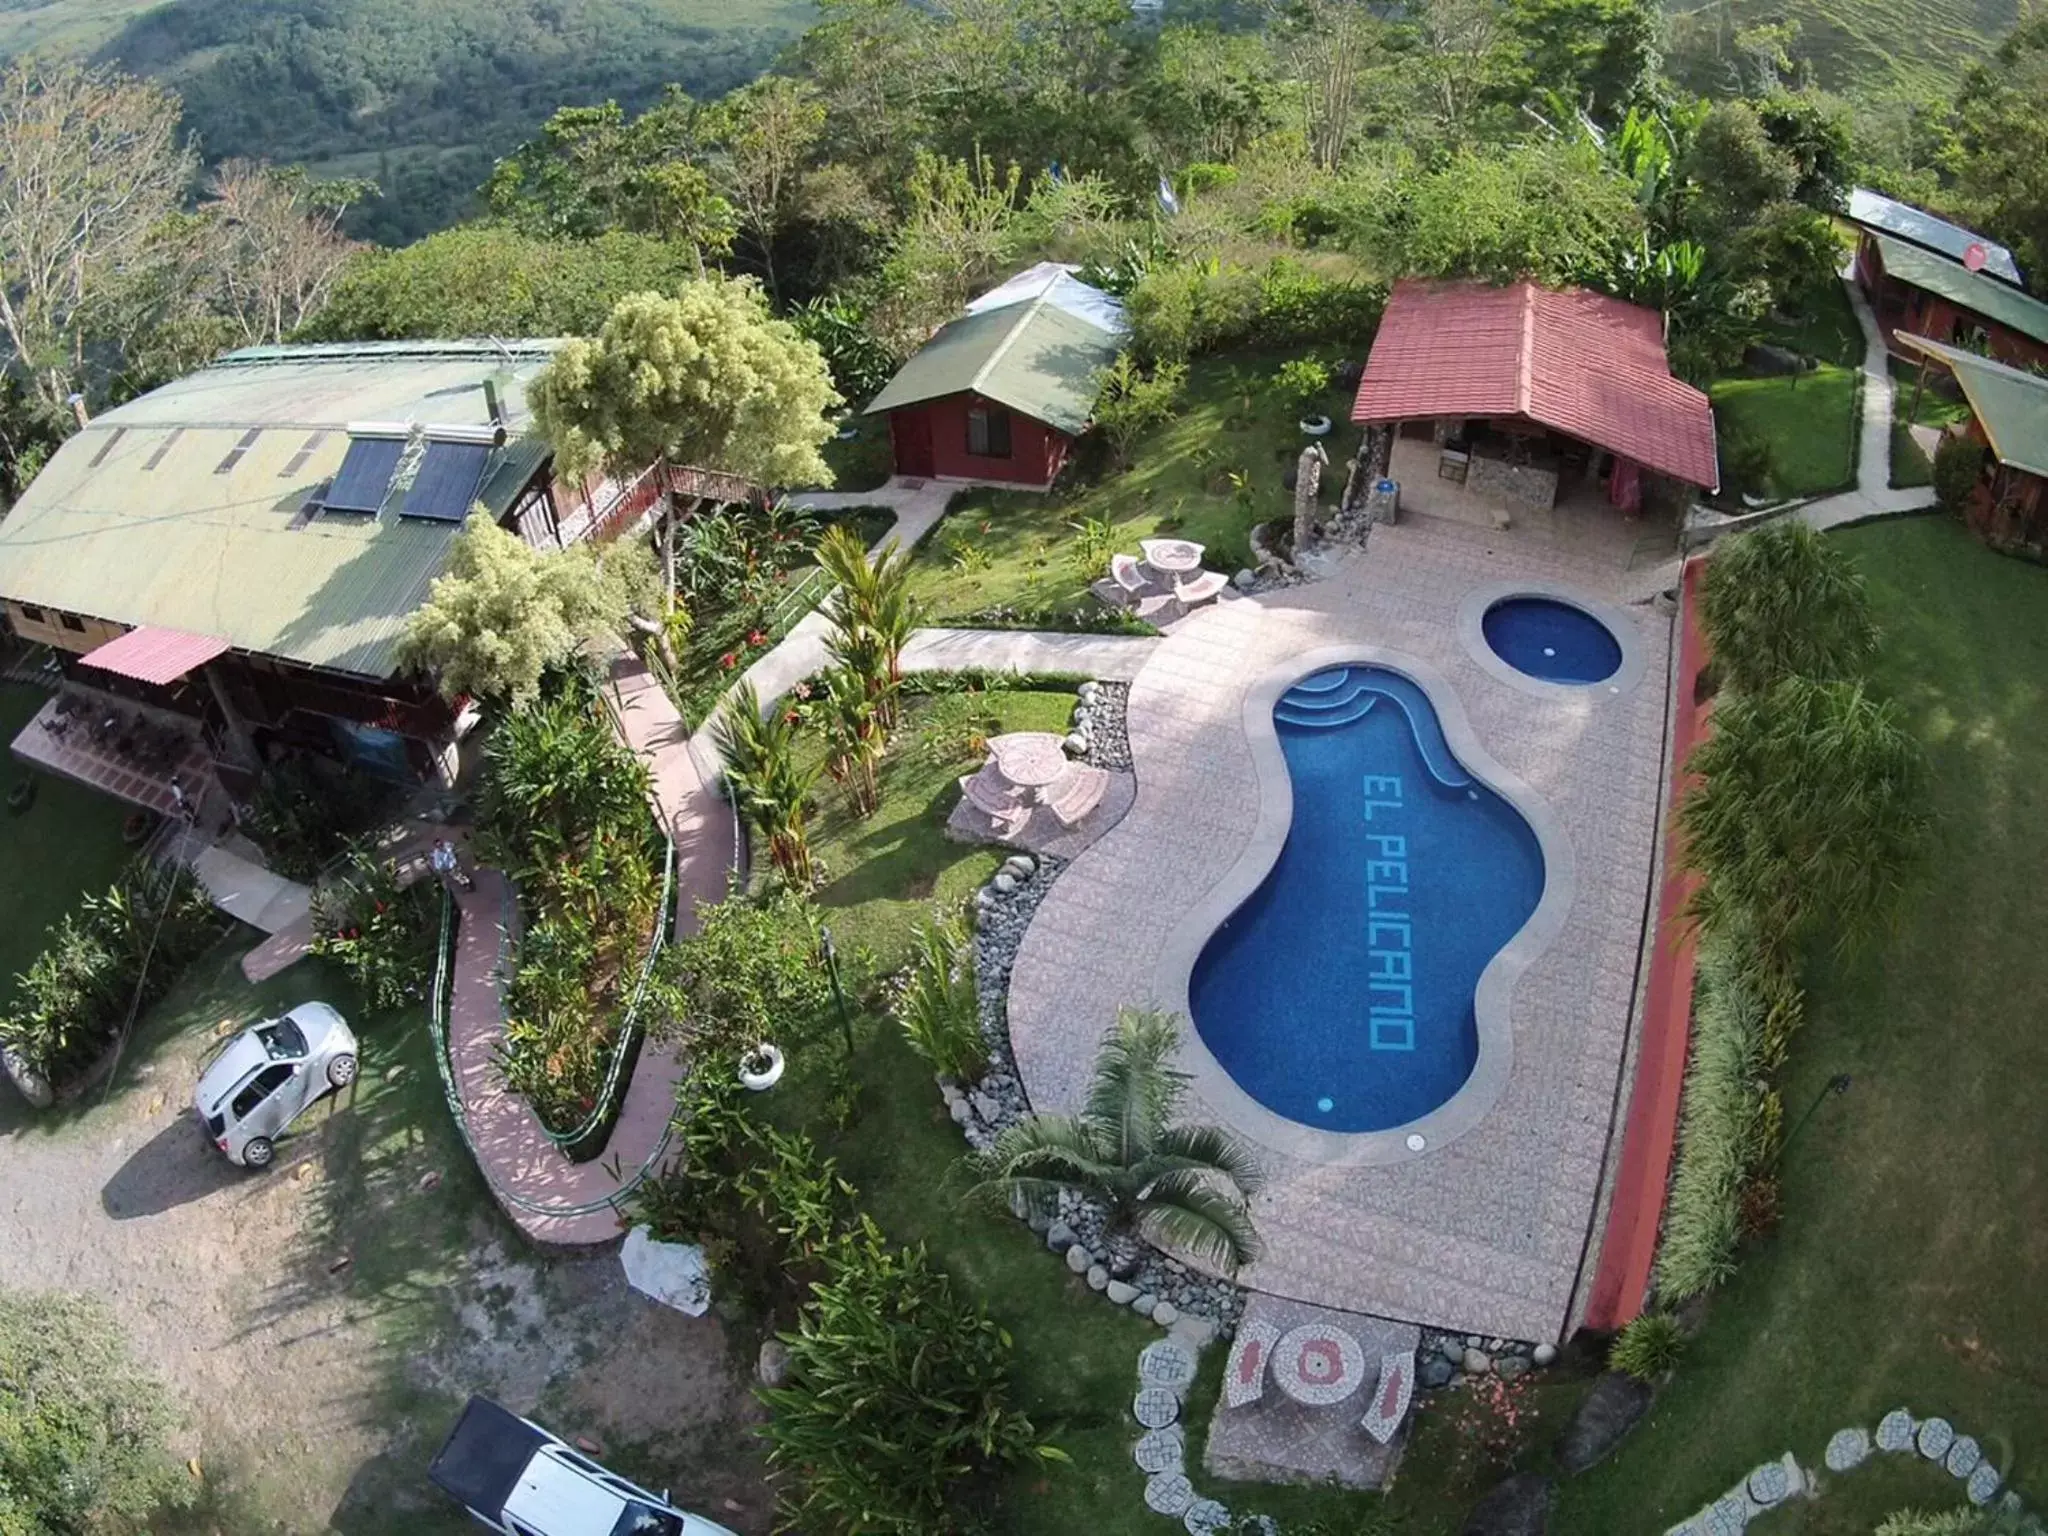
<point x="1079" y="1259"/>
<point x="1122" y="1292"/>
<point x="1098" y="1277"/>
<point x="1606" y="1414"/>
<point x="1004" y="884"/>
<point x="1059" y="1237"/>
<point x="1508" y="1367"/>
<point x="1435" y="1372"/>
<point x="988" y="1109"/>
<point x="28" y="1082"/>
<point x="1934" y="1438"/>
<point x="1543" y="1354"/>
<point x="772" y="1365"/>
<point x="1166" y="1314"/>
<point x="1520" y="1506"/>
<point x="1847" y="1450"/>
<point x="1476" y="1362"/>
<point x="961" y="1111"/>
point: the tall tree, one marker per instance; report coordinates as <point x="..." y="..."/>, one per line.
<point x="1329" y="50"/>
<point x="1460" y="61"/>
<point x="1601" y="55"/>
<point x="2003" y="112"/>
<point x="764" y="134"/>
<point x="90" y="167"/>
<point x="275" y="246"/>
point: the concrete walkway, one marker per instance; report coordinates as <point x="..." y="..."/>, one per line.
<point x="918" y="504"/>
<point x="1873" y="496"/>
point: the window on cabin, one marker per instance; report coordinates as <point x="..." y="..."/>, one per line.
<point x="32" y="614"/>
<point x="72" y="622"/>
<point x="988" y="433"/>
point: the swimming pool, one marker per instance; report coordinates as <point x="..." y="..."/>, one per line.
<point x="1550" y="639"/>
<point x="1340" y="994"/>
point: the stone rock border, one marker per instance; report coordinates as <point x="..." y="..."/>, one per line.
<point x="1898" y="1434"/>
<point x="1130" y="1274"/>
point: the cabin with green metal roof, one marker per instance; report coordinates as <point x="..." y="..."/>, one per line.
<point x="2008" y="424"/>
<point x="1001" y="392"/>
<point x="240" y="549"/>
<point x="1920" y="292"/>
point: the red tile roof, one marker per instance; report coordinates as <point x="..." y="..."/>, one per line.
<point x="151" y="655"/>
<point x="1579" y="363"/>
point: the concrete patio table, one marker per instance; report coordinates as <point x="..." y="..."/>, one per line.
<point x="1030" y="759"/>
<point x="1172" y="557"/>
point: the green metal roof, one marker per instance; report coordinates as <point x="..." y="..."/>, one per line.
<point x="2010" y="404"/>
<point x="151" y="516"/>
<point x="1034" y="357"/>
<point x="1959" y="285"/>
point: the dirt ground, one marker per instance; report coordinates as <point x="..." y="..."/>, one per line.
<point x="322" y="1322"/>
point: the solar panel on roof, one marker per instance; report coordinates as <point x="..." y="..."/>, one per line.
<point x="364" y="478"/>
<point x="446" y="486"/>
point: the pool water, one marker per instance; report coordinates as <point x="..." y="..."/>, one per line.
<point x="1340" y="995"/>
<point x="1555" y="641"/>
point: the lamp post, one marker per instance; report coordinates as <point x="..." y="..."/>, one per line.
<point x="838" y="993"/>
<point x="1835" y="1086"/>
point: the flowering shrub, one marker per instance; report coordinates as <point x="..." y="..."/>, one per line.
<point x="381" y="934"/>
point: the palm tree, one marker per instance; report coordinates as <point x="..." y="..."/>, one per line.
<point x="1783" y="601"/>
<point x="772" y="792"/>
<point x="873" y="596"/>
<point x="1184" y="1187"/>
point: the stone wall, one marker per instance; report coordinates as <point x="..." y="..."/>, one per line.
<point x="1528" y="486"/>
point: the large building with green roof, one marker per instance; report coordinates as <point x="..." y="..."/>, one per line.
<point x="2009" y="425"/>
<point x="242" y="547"/>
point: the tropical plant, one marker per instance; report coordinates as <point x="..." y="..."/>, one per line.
<point x="1961" y="1521"/>
<point x="750" y="973"/>
<point x="380" y="932"/>
<point x="769" y="786"/>
<point x="1746" y="1007"/>
<point x="898" y="1404"/>
<point x="938" y="1007"/>
<point x="306" y="809"/>
<point x="844" y="704"/>
<point x="556" y="779"/>
<point x="872" y="612"/>
<point x="119" y="952"/>
<point x="1300" y="383"/>
<point x="1129" y="403"/>
<point x="1808" y="813"/>
<point x="1093" y="544"/>
<point x="1783" y="600"/>
<point x="1184" y="1187"/>
<point x="84" y="1428"/>
<point x="1649" y="1348"/>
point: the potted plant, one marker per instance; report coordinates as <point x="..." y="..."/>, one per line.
<point x="1302" y="383"/>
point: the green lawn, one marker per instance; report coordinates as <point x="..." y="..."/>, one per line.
<point x="1015" y="549"/>
<point x="1910" y="465"/>
<point x="1808" y="419"/>
<point x="1910" y="1265"/>
<point x="65" y="845"/>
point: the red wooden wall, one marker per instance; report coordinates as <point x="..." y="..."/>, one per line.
<point x="1036" y="450"/>
<point x="1902" y="307"/>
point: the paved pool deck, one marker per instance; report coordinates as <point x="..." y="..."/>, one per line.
<point x="1486" y="1232"/>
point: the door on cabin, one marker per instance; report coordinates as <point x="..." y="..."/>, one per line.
<point x="912" y="431"/>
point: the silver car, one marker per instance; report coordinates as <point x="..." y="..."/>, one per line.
<point x="269" y="1075"/>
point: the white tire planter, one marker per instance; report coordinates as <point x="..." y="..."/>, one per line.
<point x="761" y="1068"/>
<point x="1315" y="426"/>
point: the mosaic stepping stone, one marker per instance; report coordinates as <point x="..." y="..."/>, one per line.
<point x="1934" y="1438"/>
<point x="1170" y="1493"/>
<point x="1167" y="1363"/>
<point x="1155" y="1408"/>
<point x="1244" y="1374"/>
<point x="1963" y="1456"/>
<point x="1727" y="1515"/>
<point x="1895" y="1431"/>
<point x="1770" y="1484"/>
<point x="1849" y="1449"/>
<point x="1205" y="1517"/>
<point x="1690" y="1527"/>
<point x="1159" y="1450"/>
<point x="1983" y="1484"/>
<point x="1391" y="1397"/>
<point x="1318" y="1364"/>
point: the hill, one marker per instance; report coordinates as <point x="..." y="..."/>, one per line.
<point x="419" y="95"/>
<point x="1916" y="48"/>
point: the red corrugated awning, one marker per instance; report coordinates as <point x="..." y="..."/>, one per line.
<point x="1580" y="363"/>
<point x="155" y="655"/>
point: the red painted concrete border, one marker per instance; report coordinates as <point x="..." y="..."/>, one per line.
<point x="1649" y="1137"/>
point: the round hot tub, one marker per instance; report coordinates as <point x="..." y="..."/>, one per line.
<point x="1551" y="640"/>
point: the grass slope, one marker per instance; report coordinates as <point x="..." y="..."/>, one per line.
<point x="1911" y="1260"/>
<point x="1888" y="47"/>
<point x="64" y="846"/>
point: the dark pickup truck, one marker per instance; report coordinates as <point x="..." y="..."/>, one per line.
<point x="519" y="1479"/>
